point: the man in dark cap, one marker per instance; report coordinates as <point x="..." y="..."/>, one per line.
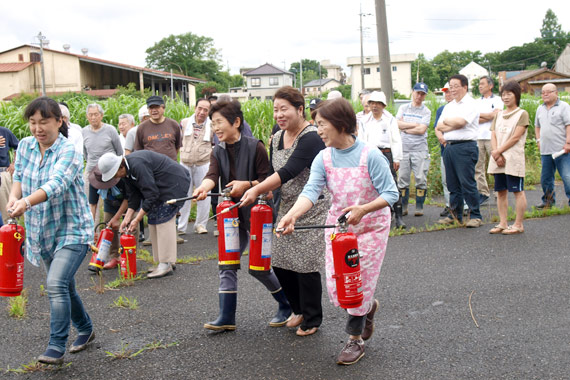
<point x="159" y="133"/>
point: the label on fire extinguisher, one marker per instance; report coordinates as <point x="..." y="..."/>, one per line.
<point x="231" y="234"/>
<point x="104" y="250"/>
<point x="20" y="275"/>
<point x="352" y="258"/>
<point x="266" y="239"/>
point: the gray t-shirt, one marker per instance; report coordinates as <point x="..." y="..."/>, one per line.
<point x="552" y="123"/>
<point x="130" y="139"/>
<point x="411" y="114"/>
<point x="97" y="143"/>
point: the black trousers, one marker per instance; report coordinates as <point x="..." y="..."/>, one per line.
<point x="355" y="324"/>
<point x="304" y="292"/>
<point x="388" y="155"/>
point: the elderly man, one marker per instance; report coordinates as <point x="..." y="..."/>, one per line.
<point x="413" y="120"/>
<point x="489" y="105"/>
<point x="197" y="137"/>
<point x="159" y="133"/>
<point x="132" y="133"/>
<point x="150" y="178"/>
<point x="74" y="131"/>
<point x="126" y="123"/>
<point x="98" y="138"/>
<point x="552" y="130"/>
<point x="459" y="124"/>
<point x="380" y="129"/>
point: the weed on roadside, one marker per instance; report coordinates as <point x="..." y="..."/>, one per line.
<point x="124" y="353"/>
<point x="17" y="305"/>
<point x="194" y="260"/>
<point x="126" y="303"/>
<point x="35" y="366"/>
<point x="100" y="287"/>
<point x="159" y="345"/>
<point x="42" y="291"/>
<point x="121" y="282"/>
<point x="145" y="255"/>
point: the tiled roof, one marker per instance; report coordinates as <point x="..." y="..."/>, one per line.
<point x="319" y="82"/>
<point x="14" y="67"/>
<point x="112" y="63"/>
<point x="266" y="69"/>
<point x="106" y="93"/>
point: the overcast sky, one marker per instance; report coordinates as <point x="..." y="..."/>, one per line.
<point x="250" y="33"/>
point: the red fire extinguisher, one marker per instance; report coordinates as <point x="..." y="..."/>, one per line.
<point x="228" y="238"/>
<point x="128" y="256"/>
<point x="261" y="233"/>
<point x="102" y="250"/>
<point x="347" y="267"/>
<point x="12" y="238"/>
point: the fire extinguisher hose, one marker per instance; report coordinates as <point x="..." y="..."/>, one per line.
<point x="176" y="200"/>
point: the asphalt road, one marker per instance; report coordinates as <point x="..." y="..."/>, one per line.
<point x="515" y="326"/>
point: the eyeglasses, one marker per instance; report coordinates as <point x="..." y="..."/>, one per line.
<point x="454" y="87"/>
<point x="547" y="92"/>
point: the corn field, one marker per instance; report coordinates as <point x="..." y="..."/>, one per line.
<point x="259" y="114"/>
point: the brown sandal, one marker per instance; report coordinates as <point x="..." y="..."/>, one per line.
<point x="311" y="331"/>
<point x="497" y="229"/>
<point x="512" y="230"/>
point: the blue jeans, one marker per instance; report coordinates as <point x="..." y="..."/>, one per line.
<point x="549" y="167"/>
<point x="65" y="304"/>
<point x="460" y="161"/>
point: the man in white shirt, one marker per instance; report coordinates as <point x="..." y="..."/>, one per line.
<point x="380" y="129"/>
<point x="74" y="133"/>
<point x="489" y="105"/>
<point x="459" y="123"/>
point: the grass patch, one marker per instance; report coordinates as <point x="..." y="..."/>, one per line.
<point x="145" y="255"/>
<point x="126" y="303"/>
<point x="126" y="353"/>
<point x="195" y="260"/>
<point x="17" y="305"/>
<point x="121" y="282"/>
<point x="35" y="366"/>
<point x="42" y="291"/>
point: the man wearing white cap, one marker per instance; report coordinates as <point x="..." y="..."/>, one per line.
<point x="380" y="129"/>
<point x="334" y="94"/>
<point x="151" y="178"/>
<point x="413" y="120"/>
<point x="132" y="133"/>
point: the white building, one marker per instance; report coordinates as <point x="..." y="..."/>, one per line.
<point x="473" y="71"/>
<point x="562" y="64"/>
<point x="264" y="81"/>
<point x="333" y="71"/>
<point x="401" y="66"/>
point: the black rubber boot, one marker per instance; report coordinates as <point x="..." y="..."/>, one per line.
<point x="420" y="199"/>
<point x="284" y="311"/>
<point x="227" y="318"/>
<point x="398" y="211"/>
<point x="405" y="196"/>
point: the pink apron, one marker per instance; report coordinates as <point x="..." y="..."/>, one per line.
<point x="352" y="186"/>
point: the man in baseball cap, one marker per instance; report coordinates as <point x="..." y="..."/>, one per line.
<point x="413" y="120"/>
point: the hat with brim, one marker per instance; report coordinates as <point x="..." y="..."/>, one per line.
<point x="108" y="164"/>
<point x="377" y="96"/>
<point x="154" y="101"/>
<point x="96" y="180"/>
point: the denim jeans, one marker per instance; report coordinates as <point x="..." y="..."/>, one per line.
<point x="460" y="161"/>
<point x="65" y="304"/>
<point x="549" y="167"/>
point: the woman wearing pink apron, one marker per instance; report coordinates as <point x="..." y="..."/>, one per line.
<point x="359" y="179"/>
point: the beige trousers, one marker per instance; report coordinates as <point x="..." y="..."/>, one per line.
<point x="481" y="167"/>
<point x="5" y="189"/>
<point x="163" y="237"/>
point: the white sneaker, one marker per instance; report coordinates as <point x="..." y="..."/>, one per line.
<point x="200" y="230"/>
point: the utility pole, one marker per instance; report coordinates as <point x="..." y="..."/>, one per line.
<point x="301" y="69"/>
<point x="43" y="41"/>
<point x="362" y="49"/>
<point x="171" y="85"/>
<point x="384" y="49"/>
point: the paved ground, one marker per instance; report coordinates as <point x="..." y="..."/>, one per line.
<point x="519" y="288"/>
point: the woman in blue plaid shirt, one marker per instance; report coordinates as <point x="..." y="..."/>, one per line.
<point x="48" y="190"/>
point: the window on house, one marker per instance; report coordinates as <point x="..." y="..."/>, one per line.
<point x="274" y="81"/>
<point x="255" y="82"/>
<point x="394" y="68"/>
<point x="35" y="57"/>
<point x="20" y="57"/>
<point x="377" y="69"/>
<point x="366" y="70"/>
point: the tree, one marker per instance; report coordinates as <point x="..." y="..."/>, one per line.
<point x="551" y="32"/>
<point x="427" y="73"/>
<point x="310" y="70"/>
<point x="187" y="54"/>
<point x="449" y="63"/>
